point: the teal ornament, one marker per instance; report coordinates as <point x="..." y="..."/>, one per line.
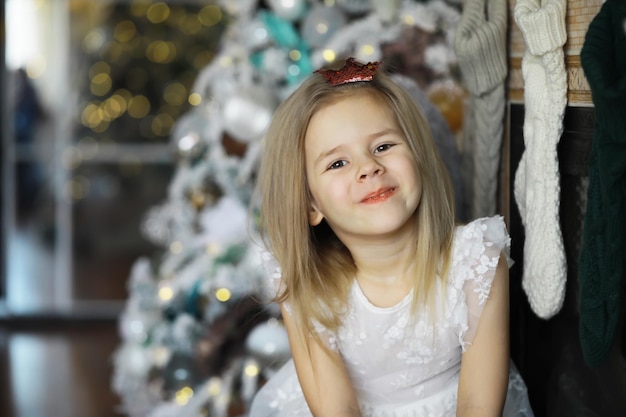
<point x="282" y="31"/>
<point x="192" y="301"/>
<point x="256" y="59"/>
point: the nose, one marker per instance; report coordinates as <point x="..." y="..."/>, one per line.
<point x="368" y="168"/>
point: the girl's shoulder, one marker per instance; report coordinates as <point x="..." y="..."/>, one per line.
<point x="476" y="251"/>
<point x="483" y="234"/>
<point x="477" y="248"/>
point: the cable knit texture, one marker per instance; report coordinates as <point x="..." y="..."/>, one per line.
<point x="602" y="263"/>
<point x="549" y="16"/>
<point x="480" y="45"/>
<point x="537" y="184"/>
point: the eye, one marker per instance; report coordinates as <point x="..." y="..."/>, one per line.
<point x="383" y="147"/>
<point x="337" y="164"/>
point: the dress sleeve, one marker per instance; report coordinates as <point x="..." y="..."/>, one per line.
<point x="477" y="251"/>
<point x="275" y="285"/>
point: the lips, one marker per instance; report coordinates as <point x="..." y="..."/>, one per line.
<point x="379" y="195"/>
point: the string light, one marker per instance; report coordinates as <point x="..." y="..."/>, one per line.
<point x="195" y="99"/>
<point x="166" y="293"/>
<point x="214" y="387"/>
<point x="223" y="294"/>
<point x="329" y="55"/>
<point x="183" y="395"/>
<point x="251" y="370"/>
<point x="295" y="55"/>
<point x="367" y="49"/>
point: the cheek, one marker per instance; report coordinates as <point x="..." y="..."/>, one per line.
<point x="329" y="194"/>
<point x="337" y="191"/>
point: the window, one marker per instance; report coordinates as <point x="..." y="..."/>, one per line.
<point x="94" y="90"/>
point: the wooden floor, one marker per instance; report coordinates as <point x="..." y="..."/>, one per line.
<point x="58" y="369"/>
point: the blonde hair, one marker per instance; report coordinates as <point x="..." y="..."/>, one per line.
<point x="317" y="269"/>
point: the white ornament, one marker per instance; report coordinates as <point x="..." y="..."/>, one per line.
<point x="275" y="63"/>
<point x="269" y="342"/>
<point x="438" y="57"/>
<point x="255" y="35"/>
<point x="248" y="113"/>
<point x="291" y="10"/>
<point x="225" y="222"/>
<point x="133" y="359"/>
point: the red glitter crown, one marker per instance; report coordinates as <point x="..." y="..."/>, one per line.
<point x="351" y="72"/>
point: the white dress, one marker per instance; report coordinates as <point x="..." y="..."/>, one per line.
<point x="410" y="368"/>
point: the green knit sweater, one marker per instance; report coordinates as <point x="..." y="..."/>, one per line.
<point x="602" y="263"/>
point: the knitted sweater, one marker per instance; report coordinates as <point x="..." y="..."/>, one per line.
<point x="602" y="263"/>
<point x="480" y="45"/>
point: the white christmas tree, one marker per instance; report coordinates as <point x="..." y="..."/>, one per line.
<point x="198" y="332"/>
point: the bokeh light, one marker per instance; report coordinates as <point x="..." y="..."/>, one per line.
<point x="125" y="31"/>
<point x="138" y="106"/>
<point x="175" y="93"/>
<point x="161" y="52"/>
<point x="223" y="294"/>
<point x="210" y="15"/>
<point x="158" y="12"/>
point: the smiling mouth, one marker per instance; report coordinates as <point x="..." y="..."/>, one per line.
<point x="378" y="196"/>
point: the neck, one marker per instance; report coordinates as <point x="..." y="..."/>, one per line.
<point x="385" y="272"/>
<point x="386" y="261"/>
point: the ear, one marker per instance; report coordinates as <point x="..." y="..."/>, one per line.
<point x="315" y="216"/>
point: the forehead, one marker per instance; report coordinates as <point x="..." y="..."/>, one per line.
<point x="363" y="108"/>
<point x="351" y="120"/>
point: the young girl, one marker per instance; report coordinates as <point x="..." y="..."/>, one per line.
<point x="391" y="309"/>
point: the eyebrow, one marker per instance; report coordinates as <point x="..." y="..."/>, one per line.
<point x="369" y="137"/>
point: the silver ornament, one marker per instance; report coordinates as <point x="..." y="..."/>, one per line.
<point x="189" y="144"/>
<point x="189" y="133"/>
<point x="248" y="112"/>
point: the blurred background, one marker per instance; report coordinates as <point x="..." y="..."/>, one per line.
<point x="86" y="115"/>
<point x="130" y="132"/>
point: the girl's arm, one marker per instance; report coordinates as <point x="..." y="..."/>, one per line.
<point x="324" y="380"/>
<point x="485" y="364"/>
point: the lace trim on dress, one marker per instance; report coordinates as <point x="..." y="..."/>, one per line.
<point x="476" y="253"/>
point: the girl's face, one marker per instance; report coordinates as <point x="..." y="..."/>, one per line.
<point x="362" y="175"/>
